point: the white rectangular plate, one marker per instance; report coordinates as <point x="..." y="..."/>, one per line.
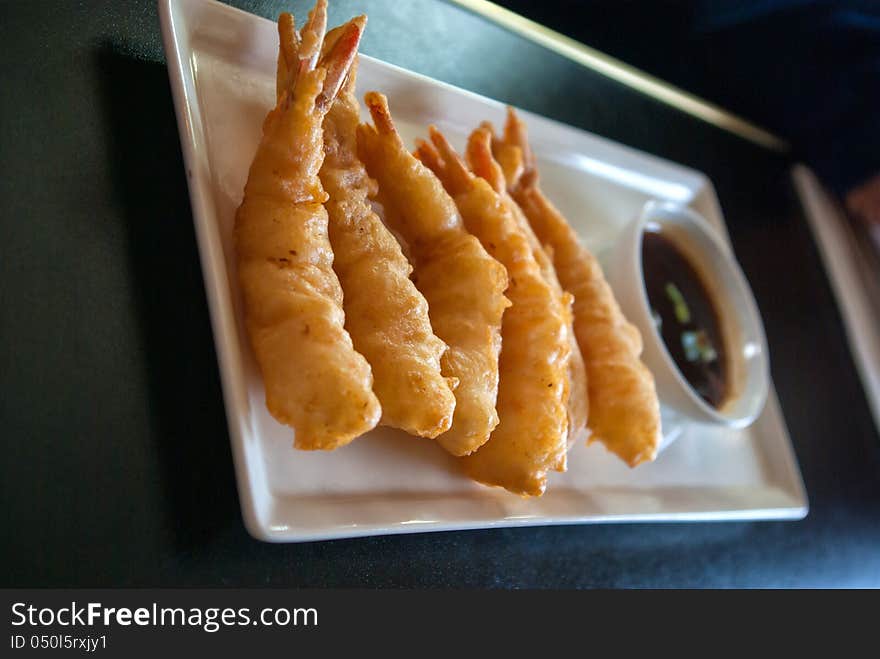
<point x="221" y="63"/>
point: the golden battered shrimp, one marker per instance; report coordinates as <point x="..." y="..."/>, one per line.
<point x="484" y="165"/>
<point x="464" y="286"/>
<point x="578" y="399"/>
<point x="531" y="436"/>
<point x="385" y="314"/>
<point x="315" y="381"/>
<point x="624" y="410"/>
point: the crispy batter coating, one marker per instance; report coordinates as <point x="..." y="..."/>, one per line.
<point x="578" y="399"/>
<point x="624" y="410"/>
<point x="464" y="286"/>
<point x="577" y="396"/>
<point x="385" y="314"/>
<point x="315" y="381"/>
<point x="578" y="406"/>
<point x="531" y="436"/>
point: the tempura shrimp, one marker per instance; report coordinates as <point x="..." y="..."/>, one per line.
<point x="314" y="379"/>
<point x="385" y="314"/>
<point x="531" y="436"/>
<point x="484" y="165"/>
<point x="464" y="286"/>
<point x="624" y="410"/>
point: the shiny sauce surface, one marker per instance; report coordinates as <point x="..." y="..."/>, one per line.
<point x="686" y="317"/>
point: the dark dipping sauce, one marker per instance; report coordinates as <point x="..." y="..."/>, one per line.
<point x="686" y="317"/>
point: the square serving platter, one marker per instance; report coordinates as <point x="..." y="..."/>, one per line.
<point x="221" y="63"/>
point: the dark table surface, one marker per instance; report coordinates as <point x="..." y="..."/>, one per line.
<point x="116" y="467"/>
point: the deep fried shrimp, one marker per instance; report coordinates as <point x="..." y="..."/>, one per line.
<point x="464" y="286"/>
<point x="315" y="381"/>
<point x="484" y="164"/>
<point x="531" y="437"/>
<point x="385" y="314"/>
<point x="624" y="410"/>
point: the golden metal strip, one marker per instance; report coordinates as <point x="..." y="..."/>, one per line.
<point x="624" y="73"/>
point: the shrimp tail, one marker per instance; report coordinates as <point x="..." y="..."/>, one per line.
<point x="430" y="158"/>
<point x="456" y="172"/>
<point x="339" y="60"/>
<point x="288" y="49"/>
<point x="377" y="104"/>
<point x="335" y="53"/>
<point x="483" y="164"/>
<point x="312" y="36"/>
<point x="516" y="134"/>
